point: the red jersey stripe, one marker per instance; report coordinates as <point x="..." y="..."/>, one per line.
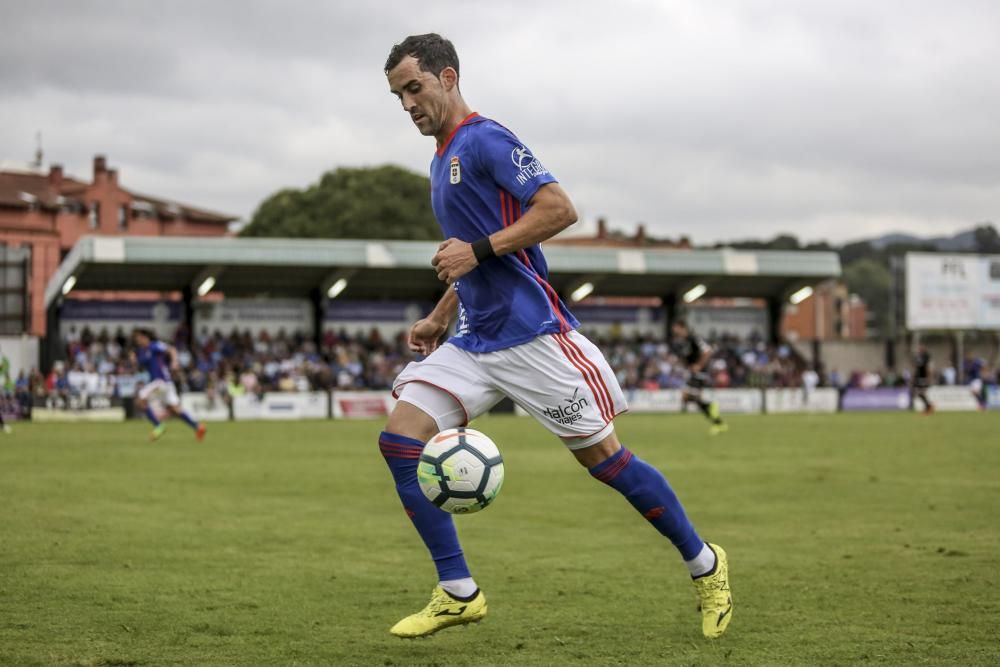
<point x="510" y="212"/>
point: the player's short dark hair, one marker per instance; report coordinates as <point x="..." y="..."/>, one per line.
<point x="432" y="51"/>
<point x="148" y="333"/>
<point x="681" y="322"/>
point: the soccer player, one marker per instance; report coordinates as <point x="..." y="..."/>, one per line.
<point x="696" y="353"/>
<point x="158" y="359"/>
<point x="922" y="369"/>
<point x="4" y="381"/>
<point x="974" y="370"/>
<point x="496" y="202"/>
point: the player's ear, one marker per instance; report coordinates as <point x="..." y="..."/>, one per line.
<point x="449" y="78"/>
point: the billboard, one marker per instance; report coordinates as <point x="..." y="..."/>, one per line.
<point x="878" y="399"/>
<point x="280" y="405"/>
<point x="952" y="291"/>
<point x="821" y="399"/>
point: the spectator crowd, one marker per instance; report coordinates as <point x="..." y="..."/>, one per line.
<point x="240" y="363"/>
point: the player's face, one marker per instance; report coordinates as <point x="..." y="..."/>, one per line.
<point x="140" y="339"/>
<point x="422" y="94"/>
<point x="678" y="331"/>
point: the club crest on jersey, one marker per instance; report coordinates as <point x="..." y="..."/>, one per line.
<point x="456" y="171"/>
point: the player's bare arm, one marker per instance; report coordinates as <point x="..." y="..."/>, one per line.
<point x="550" y="212"/>
<point x="172" y="354"/>
<point x="702" y="362"/>
<point x="426" y="333"/>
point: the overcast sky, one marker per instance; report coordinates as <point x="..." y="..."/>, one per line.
<point x="718" y="120"/>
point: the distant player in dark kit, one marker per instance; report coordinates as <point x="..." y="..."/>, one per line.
<point x="922" y="370"/>
<point x="696" y="353"/>
<point x="158" y="359"/>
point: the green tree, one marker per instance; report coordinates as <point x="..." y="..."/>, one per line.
<point x="869" y="278"/>
<point x="779" y="242"/>
<point x="987" y="239"/>
<point x="386" y="202"/>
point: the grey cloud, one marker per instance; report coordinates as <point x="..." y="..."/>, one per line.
<point x="717" y="120"/>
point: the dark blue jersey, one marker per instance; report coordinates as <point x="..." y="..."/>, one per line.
<point x="154" y="358"/>
<point x="482" y="179"/>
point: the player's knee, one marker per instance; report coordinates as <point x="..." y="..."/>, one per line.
<point x="410" y="421"/>
<point x="599" y="452"/>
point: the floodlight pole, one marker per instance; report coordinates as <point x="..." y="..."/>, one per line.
<point x="959" y="340"/>
<point x="52" y="349"/>
<point x="316" y="298"/>
<point x="774" y="312"/>
<point x="669" y="313"/>
<point x="187" y="312"/>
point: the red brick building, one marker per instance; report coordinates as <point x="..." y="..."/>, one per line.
<point x="613" y="238"/>
<point x="43" y="214"/>
<point x="831" y="313"/>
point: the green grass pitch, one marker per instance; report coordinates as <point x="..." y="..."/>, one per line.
<point x="853" y="539"/>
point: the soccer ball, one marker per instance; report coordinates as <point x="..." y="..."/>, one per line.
<point x="460" y="470"/>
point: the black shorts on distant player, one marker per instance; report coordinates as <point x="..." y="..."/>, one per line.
<point x="922" y="369"/>
<point x="696" y="353"/>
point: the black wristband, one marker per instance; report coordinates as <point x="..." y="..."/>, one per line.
<point x="483" y="249"/>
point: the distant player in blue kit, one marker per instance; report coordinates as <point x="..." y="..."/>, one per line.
<point x="158" y="359"/>
<point x="496" y="202"/>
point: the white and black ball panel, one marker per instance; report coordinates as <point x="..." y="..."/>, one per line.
<point x="461" y="470"/>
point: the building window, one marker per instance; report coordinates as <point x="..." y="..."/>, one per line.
<point x="123" y="217"/>
<point x="94" y="217"/>
<point x="15" y="263"/>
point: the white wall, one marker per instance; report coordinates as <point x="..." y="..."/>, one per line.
<point x="22" y="351"/>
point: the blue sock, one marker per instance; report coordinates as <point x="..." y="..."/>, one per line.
<point x="647" y="489"/>
<point x="189" y="420"/>
<point x="151" y="415"/>
<point x="435" y="525"/>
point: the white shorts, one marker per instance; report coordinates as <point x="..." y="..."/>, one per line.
<point x="160" y="390"/>
<point x="562" y="380"/>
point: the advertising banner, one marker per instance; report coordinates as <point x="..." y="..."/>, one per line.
<point x="664" y="400"/>
<point x="77" y="409"/>
<point x="822" y="399"/>
<point x="993" y="397"/>
<point x="280" y="405"/>
<point x="952" y="291"/>
<point x="362" y="404"/>
<point x="126" y="314"/>
<point x="255" y="315"/>
<point x="737" y="401"/>
<point x="203" y="408"/>
<point x="952" y="398"/>
<point x="883" y="398"/>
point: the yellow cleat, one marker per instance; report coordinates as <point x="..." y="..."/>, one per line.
<point x="716" y="600"/>
<point x="716" y="429"/>
<point x="441" y="612"/>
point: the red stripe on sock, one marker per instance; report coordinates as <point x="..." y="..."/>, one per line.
<point x="612" y="471"/>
